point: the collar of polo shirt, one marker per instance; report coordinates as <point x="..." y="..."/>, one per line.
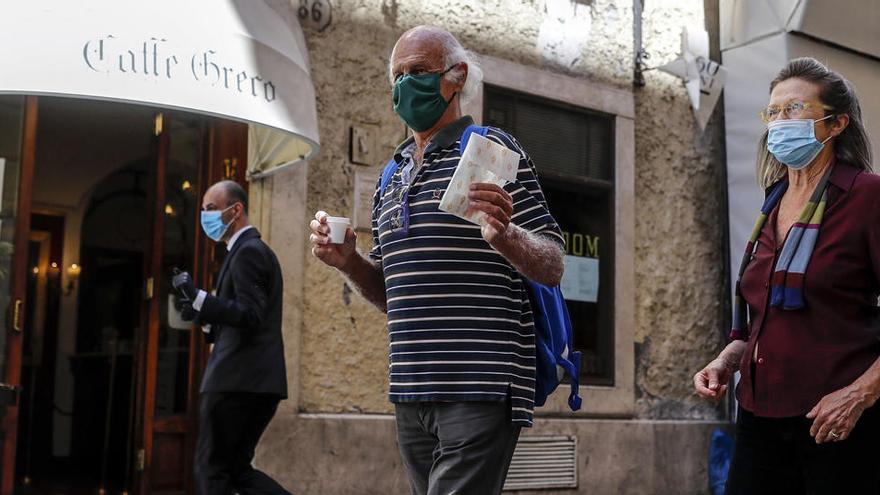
<point x="444" y="138"/>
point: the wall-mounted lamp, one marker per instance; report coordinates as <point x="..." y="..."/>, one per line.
<point x="73" y="273"/>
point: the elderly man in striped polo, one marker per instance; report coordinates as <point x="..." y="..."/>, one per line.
<point x="459" y="321"/>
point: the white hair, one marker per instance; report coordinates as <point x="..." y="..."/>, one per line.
<point x="454" y="54"/>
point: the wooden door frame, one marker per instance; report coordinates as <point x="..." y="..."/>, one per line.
<point x="18" y="273"/>
<point x="147" y="342"/>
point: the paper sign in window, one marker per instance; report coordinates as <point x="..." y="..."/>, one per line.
<point x="580" y="282"/>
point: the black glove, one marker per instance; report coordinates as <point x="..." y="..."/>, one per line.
<point x="183" y="283"/>
<point x="187" y="313"/>
<point x="184" y="308"/>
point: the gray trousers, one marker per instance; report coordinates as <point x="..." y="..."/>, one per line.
<point x="461" y="448"/>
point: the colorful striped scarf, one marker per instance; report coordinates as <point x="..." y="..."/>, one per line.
<point x="787" y="282"/>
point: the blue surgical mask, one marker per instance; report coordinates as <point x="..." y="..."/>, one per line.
<point x="793" y="141"/>
<point x="212" y="224"/>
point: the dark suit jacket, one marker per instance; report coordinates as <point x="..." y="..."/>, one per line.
<point x="245" y="319"/>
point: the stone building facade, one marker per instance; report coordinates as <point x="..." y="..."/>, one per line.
<point x="646" y="432"/>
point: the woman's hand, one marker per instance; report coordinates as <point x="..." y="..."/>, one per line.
<point x="835" y="416"/>
<point x="711" y="382"/>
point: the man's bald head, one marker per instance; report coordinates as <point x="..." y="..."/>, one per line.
<point x="430" y="39"/>
<point x="228" y="192"/>
<point x="434" y="49"/>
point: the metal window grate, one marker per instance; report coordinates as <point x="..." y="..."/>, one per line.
<point x="543" y="462"/>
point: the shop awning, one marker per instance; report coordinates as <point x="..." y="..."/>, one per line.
<point x="851" y="24"/>
<point x="236" y="59"/>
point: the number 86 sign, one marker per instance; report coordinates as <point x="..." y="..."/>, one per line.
<point x="314" y="13"/>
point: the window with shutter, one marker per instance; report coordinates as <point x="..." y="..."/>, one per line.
<point x="573" y="149"/>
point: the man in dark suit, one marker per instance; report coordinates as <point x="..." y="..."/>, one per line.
<point x="245" y="378"/>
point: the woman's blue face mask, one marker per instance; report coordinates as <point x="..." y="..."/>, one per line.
<point x="793" y="141"/>
<point x="212" y="223"/>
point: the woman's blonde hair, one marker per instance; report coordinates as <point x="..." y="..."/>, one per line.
<point x="851" y="146"/>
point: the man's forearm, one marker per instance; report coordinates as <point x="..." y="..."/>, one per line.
<point x="367" y="279"/>
<point x="536" y="257"/>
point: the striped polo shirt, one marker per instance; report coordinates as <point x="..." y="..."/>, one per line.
<point x="459" y="319"/>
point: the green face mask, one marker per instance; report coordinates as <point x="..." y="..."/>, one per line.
<point x="418" y="101"/>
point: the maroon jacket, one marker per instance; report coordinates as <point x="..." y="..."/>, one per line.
<point x="806" y="354"/>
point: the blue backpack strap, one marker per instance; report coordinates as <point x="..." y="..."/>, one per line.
<point x="572" y="361"/>
<point x="466" y="134"/>
<point x="387" y="174"/>
<point x="572" y="367"/>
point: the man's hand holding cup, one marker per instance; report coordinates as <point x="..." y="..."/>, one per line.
<point x="333" y="240"/>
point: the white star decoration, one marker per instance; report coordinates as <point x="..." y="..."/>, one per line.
<point x="702" y="77"/>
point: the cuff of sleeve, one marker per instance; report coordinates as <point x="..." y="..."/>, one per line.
<point x="200" y="299"/>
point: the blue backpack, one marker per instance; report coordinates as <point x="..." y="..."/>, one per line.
<point x="554" y="342"/>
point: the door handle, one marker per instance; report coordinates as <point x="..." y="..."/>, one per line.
<point x="16" y="315"/>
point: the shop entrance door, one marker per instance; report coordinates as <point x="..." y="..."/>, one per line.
<point x="191" y="154"/>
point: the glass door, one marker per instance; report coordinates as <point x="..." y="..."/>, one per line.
<point x="168" y="371"/>
<point x="18" y="126"/>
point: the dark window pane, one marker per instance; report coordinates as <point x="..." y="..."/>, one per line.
<point x="572" y="150"/>
<point x="584" y="214"/>
<point x="559" y="138"/>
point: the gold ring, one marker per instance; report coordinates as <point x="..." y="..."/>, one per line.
<point x="833" y="434"/>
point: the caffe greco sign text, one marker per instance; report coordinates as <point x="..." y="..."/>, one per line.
<point x="153" y="59"/>
<point x="243" y="60"/>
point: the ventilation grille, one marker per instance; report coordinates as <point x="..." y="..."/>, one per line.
<point x="543" y="462"/>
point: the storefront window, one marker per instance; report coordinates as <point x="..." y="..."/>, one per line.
<point x="573" y="152"/>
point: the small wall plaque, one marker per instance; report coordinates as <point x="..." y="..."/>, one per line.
<point x="364" y="189"/>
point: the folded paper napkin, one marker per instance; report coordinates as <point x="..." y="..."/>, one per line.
<point x="483" y="160"/>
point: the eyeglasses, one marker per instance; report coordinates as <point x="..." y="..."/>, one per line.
<point x="421" y="71"/>
<point x="794" y="110"/>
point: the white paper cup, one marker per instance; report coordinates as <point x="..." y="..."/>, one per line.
<point x="338" y="227"/>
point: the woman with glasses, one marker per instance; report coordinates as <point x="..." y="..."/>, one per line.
<point x="806" y="329"/>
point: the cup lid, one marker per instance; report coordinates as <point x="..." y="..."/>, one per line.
<point x="338" y="219"/>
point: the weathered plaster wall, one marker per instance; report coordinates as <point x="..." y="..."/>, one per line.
<point x="679" y="257"/>
<point x="680" y="285"/>
<point x="275" y="202"/>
